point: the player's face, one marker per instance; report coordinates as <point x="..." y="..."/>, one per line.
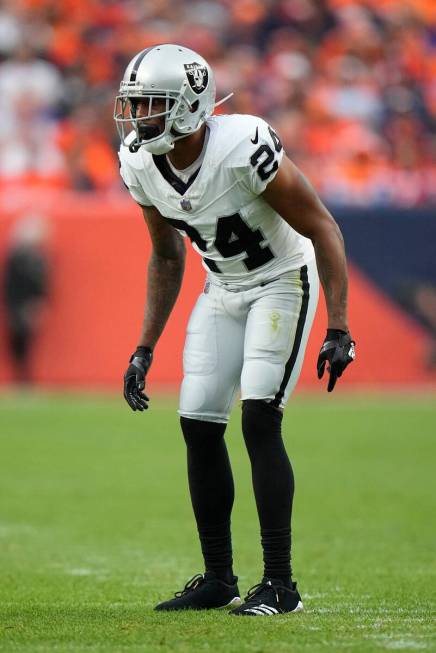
<point x="152" y="110"/>
<point x="144" y="107"/>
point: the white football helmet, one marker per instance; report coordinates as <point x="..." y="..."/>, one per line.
<point x="181" y="81"/>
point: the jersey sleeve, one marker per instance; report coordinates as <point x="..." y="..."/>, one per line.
<point x="131" y="182"/>
<point x="263" y="152"/>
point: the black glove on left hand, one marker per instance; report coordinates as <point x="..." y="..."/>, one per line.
<point x="338" y="350"/>
<point x="134" y="378"/>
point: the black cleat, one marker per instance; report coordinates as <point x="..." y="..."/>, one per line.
<point x="204" y="592"/>
<point x="268" y="598"/>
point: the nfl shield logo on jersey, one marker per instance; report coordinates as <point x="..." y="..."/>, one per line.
<point x="186" y="205"/>
<point x="197" y="75"/>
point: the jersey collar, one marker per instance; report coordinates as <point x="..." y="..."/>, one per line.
<point x="161" y="163"/>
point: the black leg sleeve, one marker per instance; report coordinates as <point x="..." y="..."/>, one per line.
<point x="212" y="492"/>
<point x="273" y="484"/>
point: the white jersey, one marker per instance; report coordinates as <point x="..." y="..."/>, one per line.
<point x="241" y="239"/>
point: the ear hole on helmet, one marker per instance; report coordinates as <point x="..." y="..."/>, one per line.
<point x="194" y="106"/>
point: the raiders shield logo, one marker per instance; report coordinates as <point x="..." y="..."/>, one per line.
<point x="198" y="76"/>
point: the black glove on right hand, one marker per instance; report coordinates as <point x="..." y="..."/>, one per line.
<point x="134" y="378"/>
<point x="338" y="351"/>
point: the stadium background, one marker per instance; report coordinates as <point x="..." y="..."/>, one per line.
<point x="95" y="520"/>
<point x="349" y="86"/>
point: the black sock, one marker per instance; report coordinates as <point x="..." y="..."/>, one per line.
<point x="273" y="483"/>
<point x="212" y="492"/>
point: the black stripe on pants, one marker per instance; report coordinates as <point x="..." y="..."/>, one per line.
<point x="298" y="336"/>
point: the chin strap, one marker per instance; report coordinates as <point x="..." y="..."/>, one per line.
<point x="155" y="147"/>
<point x="217" y="104"/>
<point x="134" y="147"/>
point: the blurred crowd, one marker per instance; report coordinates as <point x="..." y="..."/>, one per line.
<point x="350" y="86"/>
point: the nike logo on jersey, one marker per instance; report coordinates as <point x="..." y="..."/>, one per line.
<point x="256" y="137"/>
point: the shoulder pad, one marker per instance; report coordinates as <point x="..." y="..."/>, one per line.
<point x="239" y="135"/>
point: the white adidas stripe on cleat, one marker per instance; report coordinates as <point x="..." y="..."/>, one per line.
<point x="267" y="610"/>
<point x="263" y="610"/>
<point x="256" y="611"/>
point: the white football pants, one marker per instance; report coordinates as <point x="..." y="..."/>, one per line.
<point x="249" y="339"/>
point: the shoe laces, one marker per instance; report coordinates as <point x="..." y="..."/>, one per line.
<point x="261" y="591"/>
<point x="191" y="585"/>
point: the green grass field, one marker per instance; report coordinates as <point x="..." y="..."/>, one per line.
<point x="96" y="527"/>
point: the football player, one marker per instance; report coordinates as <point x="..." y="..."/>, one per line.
<point x="225" y="183"/>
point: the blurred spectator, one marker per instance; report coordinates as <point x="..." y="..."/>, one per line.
<point x="351" y="86"/>
<point x="30" y="94"/>
<point x="25" y="288"/>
